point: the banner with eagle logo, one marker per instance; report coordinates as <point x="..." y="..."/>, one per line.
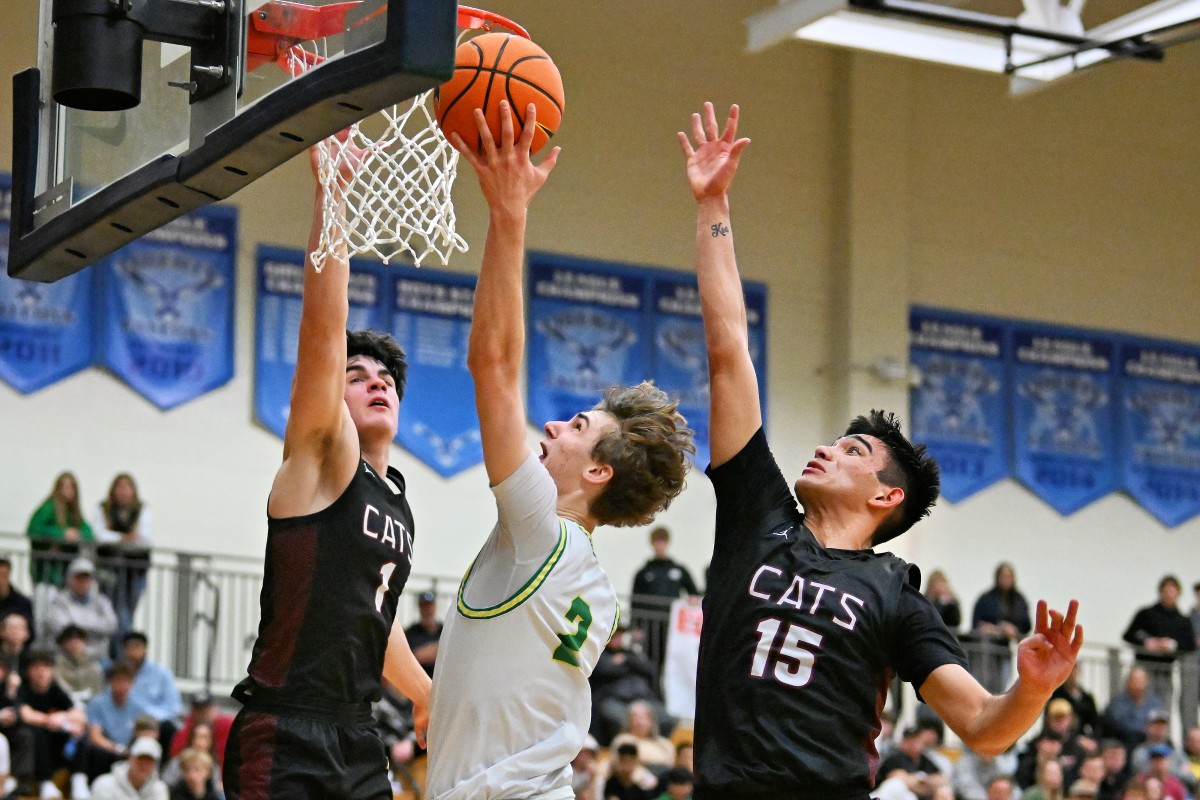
<point x="169" y="308"/>
<point x="46" y="329"/>
<point x="1160" y="427"/>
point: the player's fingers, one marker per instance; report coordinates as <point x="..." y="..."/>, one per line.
<point x="735" y="152"/>
<point x="486" y="142"/>
<point x="697" y="130"/>
<point x="506" y="125"/>
<point x="1077" y="640"/>
<point x="529" y="127"/>
<point x="457" y="142"/>
<point x="1072" y="614"/>
<point x="1041" y="616"/>
<point x="712" y="132"/>
<point x="685" y="144"/>
<point x="1056" y="621"/>
<point x="731" y="123"/>
<point x="549" y="161"/>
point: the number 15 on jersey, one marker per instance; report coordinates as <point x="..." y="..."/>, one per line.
<point x="793" y="661"/>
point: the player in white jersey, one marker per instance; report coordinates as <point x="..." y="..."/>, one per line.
<point x="511" y="703"/>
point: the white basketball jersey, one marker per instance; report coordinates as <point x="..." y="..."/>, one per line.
<point x="511" y="700"/>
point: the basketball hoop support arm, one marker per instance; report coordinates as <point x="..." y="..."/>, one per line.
<point x="98" y="48"/>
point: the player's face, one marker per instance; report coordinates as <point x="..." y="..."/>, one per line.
<point x="371" y="396"/>
<point x="849" y="468"/>
<point x="567" y="448"/>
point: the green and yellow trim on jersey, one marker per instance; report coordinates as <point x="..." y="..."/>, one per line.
<point x="522" y="594"/>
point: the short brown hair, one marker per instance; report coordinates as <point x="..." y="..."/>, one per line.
<point x="384" y="349"/>
<point x="648" y="453"/>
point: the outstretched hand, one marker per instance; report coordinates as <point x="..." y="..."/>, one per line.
<point x="712" y="156"/>
<point x="348" y="159"/>
<point x="1045" y="658"/>
<point x="507" y="175"/>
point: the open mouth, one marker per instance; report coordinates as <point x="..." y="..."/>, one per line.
<point x="814" y="466"/>
<point x="380" y="403"/>
<point x="542" y="457"/>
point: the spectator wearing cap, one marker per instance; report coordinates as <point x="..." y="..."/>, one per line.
<point x="1083" y="703"/>
<point x="1159" y="769"/>
<point x="1158" y="732"/>
<point x="111" y="715"/>
<point x="677" y="785"/>
<point x="153" y="686"/>
<point x="78" y="669"/>
<point x="11" y="600"/>
<point x="423" y="635"/>
<point x="52" y="717"/>
<point x="204" y="709"/>
<point x="135" y="779"/>
<point x="82" y="605"/>
<point x="1082" y="790"/>
<point x="1126" y="715"/>
<point x="1060" y="719"/>
<point x="909" y="770"/>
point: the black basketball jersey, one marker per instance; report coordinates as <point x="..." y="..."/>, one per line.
<point x="798" y="647"/>
<point x="331" y="585"/>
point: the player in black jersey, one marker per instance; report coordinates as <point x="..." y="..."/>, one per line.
<point x="804" y="625"/>
<point x="339" y="550"/>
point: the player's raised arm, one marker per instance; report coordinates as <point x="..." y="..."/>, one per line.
<point x="989" y="724"/>
<point x="509" y="181"/>
<point x="318" y="410"/>
<point x="712" y="161"/>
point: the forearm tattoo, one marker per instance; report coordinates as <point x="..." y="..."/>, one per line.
<point x="719" y="230"/>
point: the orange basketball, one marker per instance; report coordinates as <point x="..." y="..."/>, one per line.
<point x="495" y="67"/>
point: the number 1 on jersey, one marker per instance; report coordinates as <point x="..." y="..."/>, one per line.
<point x="793" y="663"/>
<point x="385" y="577"/>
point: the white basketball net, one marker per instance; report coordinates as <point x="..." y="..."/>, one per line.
<point x="398" y="200"/>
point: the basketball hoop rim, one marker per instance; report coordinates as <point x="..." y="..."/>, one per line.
<point x="470" y="18"/>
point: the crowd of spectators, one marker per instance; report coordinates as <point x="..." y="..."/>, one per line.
<point x="80" y="698"/>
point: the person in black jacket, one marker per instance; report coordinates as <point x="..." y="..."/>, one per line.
<point x="659" y="582"/>
<point x="1160" y="633"/>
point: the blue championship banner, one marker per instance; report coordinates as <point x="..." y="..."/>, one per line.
<point x="959" y="406"/>
<point x="430" y="316"/>
<point x="169" y="308"/>
<point x="679" y="363"/>
<point x="46" y="329"/>
<point x="1160" y="427"/>
<point x="280" y="280"/>
<point x="587" y="331"/>
<point x="1063" y="414"/>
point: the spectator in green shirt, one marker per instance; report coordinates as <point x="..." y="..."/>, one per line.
<point x="56" y="530"/>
